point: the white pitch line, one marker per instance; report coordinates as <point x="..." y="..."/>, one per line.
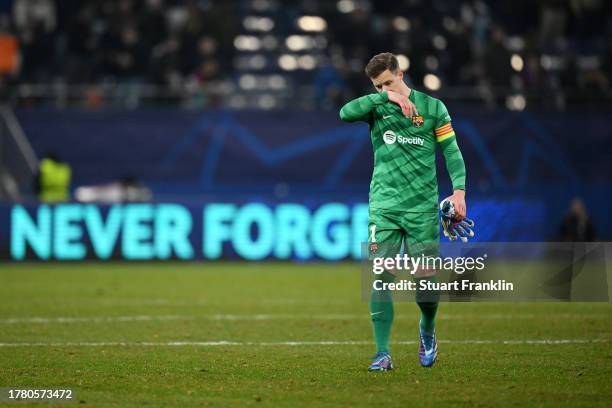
<point x="94" y="319"/>
<point x="291" y="343"/>
<point x="173" y="302"/>
<point x="261" y="317"/>
<point x="442" y="316"/>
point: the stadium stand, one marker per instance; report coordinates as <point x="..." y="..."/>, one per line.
<point x="305" y="54"/>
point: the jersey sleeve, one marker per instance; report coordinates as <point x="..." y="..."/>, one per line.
<point x="454" y="163"/>
<point x="443" y="128"/>
<point x="445" y="135"/>
<point x="360" y="109"/>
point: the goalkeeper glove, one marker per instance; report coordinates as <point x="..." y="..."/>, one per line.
<point x="452" y="228"/>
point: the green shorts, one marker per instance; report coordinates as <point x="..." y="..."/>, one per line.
<point x="418" y="232"/>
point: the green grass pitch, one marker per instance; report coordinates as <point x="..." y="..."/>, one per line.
<point x="297" y="335"/>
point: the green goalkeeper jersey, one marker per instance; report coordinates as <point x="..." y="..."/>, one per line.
<point x="404" y="177"/>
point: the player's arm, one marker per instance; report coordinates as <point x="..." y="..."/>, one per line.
<point x="446" y="138"/>
<point x="456" y="170"/>
<point x="360" y="109"/>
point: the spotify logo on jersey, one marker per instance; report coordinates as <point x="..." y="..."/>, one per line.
<point x="389" y="137"/>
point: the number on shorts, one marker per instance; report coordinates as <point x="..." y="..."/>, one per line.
<point x="373" y="233"/>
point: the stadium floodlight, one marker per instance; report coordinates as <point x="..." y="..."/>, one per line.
<point x="439" y="42"/>
<point x="516" y="61"/>
<point x="257" y="62"/>
<point x="551" y="62"/>
<point x="449" y="23"/>
<point x="432" y="82"/>
<point x="238" y="101"/>
<point x="516" y="102"/>
<point x="276" y="82"/>
<point x="431" y="62"/>
<point x="256" y="23"/>
<point x="312" y="23"/>
<point x="288" y="62"/>
<point x="298" y="42"/>
<point x="266" y="101"/>
<point x="346" y="6"/>
<point x="247" y="81"/>
<point x="307" y="62"/>
<point x="247" y="43"/>
<point x="404" y="62"/>
<point x="401" y="23"/>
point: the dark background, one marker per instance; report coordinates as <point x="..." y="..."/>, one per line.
<point x="238" y="100"/>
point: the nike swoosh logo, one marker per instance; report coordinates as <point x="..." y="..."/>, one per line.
<point x="386" y="117"/>
<point x="375" y="313"/>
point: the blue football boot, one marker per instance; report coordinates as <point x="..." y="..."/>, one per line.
<point x="428" y="348"/>
<point x="381" y="362"/>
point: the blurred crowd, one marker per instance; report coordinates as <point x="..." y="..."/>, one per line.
<point x="127" y="42"/>
<point x="267" y="53"/>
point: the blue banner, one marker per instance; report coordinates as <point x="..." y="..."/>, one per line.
<point x="313" y="158"/>
<point x="219" y="230"/>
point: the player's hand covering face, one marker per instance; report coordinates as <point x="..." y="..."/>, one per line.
<point x="408" y="108"/>
<point x="392" y="84"/>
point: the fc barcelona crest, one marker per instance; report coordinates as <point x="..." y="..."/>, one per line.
<point x="417" y="121"/>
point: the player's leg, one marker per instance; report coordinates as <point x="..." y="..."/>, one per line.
<point x="384" y="240"/>
<point x="423" y="237"/>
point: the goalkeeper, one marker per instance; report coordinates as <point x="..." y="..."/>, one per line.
<point x="405" y="127"/>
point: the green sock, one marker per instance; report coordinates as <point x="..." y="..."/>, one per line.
<point x="381" y="312"/>
<point x="428" y="303"/>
